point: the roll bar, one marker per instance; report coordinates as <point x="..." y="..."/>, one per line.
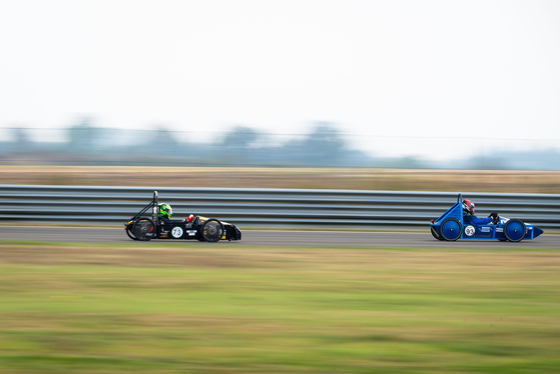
<point x="155" y="206"/>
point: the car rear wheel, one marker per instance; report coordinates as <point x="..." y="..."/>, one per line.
<point x="212" y="231"/>
<point x="130" y="233"/>
<point x="144" y="229"/>
<point x="515" y="230"/>
<point x="450" y="229"/>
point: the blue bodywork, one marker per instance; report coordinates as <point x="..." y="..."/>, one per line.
<point x="450" y="226"/>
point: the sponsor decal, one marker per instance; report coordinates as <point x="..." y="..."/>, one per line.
<point x="485" y="229"/>
<point x="177" y="232"/>
<point x="469" y="230"/>
<point x="191" y="232"/>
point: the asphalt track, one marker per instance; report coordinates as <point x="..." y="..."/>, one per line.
<point x="274" y="238"/>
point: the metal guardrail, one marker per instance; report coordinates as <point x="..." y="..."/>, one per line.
<point x="250" y="207"/>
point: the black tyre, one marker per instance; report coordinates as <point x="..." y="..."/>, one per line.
<point x="129" y="233"/>
<point x="450" y="229"/>
<point x="144" y="229"/>
<point x="211" y="231"/>
<point x="515" y="230"/>
<point x="435" y="233"/>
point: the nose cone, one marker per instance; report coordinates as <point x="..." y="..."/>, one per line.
<point x="536" y="231"/>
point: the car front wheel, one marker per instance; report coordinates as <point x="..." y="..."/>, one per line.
<point x="212" y="230"/>
<point x="515" y="230"/>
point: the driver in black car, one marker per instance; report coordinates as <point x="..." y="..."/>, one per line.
<point x="164" y="214"/>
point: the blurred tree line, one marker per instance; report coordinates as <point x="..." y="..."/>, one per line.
<point x="86" y="144"/>
<point x="324" y="146"/>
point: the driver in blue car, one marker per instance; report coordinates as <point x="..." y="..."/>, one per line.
<point x="470" y="218"/>
<point x="164" y="214"/>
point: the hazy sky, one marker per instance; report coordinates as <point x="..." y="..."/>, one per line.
<point x="427" y="78"/>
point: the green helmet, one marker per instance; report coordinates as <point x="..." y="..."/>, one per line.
<point x="164" y="210"/>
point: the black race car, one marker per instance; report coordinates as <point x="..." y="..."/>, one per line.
<point x="201" y="228"/>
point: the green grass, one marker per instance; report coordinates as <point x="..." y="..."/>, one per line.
<point x="103" y="309"/>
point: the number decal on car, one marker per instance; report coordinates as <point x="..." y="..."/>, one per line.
<point x="177" y="232"/>
<point x="470" y="230"/>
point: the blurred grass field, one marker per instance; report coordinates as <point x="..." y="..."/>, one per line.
<point x="507" y="181"/>
<point x="71" y="308"/>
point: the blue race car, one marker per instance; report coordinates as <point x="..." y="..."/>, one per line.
<point x="450" y="226"/>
